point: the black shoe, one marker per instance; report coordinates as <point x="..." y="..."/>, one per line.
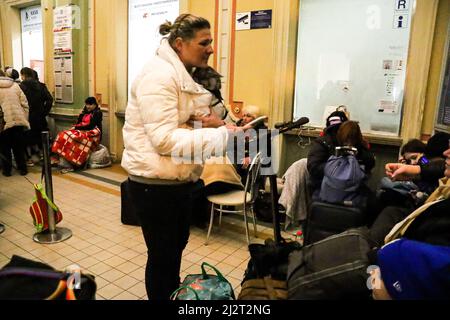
<point x="6" y="174"/>
<point x="23" y="172"/>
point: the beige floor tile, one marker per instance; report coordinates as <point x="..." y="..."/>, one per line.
<point x="67" y="251"/>
<point x="140" y="260"/>
<point x="126" y="282"/>
<point x="88" y="262"/>
<point x="234" y="261"/>
<point x="110" y="291"/>
<point x="127" y="267"/>
<point x="138" y="274"/>
<point x="61" y="263"/>
<point x="100" y="268"/>
<point x="112" y="275"/>
<point x="126" y="296"/>
<point x="138" y="290"/>
<point x="92" y="250"/>
<point x="101" y="283"/>
<point x="224" y="268"/>
<point x="114" y="261"/>
<point x="193" y="257"/>
<point x="219" y="256"/>
<point x="237" y="274"/>
<point x="105" y="244"/>
<point x="103" y="255"/>
<point x="129" y="254"/>
<point x="50" y="257"/>
<point x="117" y="249"/>
<point x="77" y="256"/>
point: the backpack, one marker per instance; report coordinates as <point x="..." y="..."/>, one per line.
<point x="342" y="181"/>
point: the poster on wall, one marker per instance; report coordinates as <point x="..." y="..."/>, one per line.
<point x="144" y="19"/>
<point x="62" y="30"/>
<point x="63" y="67"/>
<point x="261" y="19"/>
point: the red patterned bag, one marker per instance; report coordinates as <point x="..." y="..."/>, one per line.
<point x="39" y="212"/>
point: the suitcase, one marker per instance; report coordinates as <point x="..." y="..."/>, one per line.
<point x="326" y="219"/>
<point x="333" y="268"/>
<point x="128" y="214"/>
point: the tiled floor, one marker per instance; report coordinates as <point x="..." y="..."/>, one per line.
<point x="101" y="244"/>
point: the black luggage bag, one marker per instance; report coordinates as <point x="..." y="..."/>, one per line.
<point x="128" y="214"/>
<point x="333" y="268"/>
<point x="326" y="219"/>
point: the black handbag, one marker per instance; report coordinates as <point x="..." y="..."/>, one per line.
<point x="23" y="279"/>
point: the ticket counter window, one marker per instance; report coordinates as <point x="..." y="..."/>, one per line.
<point x="32" y="39"/>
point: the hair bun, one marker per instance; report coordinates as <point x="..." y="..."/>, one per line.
<point x="165" y="28"/>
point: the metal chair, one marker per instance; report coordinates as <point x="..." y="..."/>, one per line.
<point x="245" y="198"/>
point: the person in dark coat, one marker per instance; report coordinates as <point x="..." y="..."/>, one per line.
<point x="323" y="147"/>
<point x="40" y="101"/>
<point x="91" y="116"/>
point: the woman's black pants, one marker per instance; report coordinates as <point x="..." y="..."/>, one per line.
<point x="164" y="212"/>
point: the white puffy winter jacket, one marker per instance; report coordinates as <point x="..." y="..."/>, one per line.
<point x="163" y="97"/>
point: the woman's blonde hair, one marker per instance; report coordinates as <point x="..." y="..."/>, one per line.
<point x="185" y="27"/>
<point x="251" y="110"/>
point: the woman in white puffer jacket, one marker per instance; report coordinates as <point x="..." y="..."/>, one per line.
<point x="163" y="157"/>
<point x="13" y="123"/>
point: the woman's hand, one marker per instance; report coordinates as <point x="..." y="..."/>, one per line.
<point x="208" y="121"/>
<point x="401" y="172"/>
<point x="246" y="162"/>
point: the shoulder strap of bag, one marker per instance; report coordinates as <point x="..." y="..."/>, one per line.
<point x="219" y="275"/>
<point x="174" y="295"/>
<point x="39" y="187"/>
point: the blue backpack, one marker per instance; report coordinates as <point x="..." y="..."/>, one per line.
<point x="342" y="181"/>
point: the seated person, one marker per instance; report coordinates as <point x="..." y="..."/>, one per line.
<point x="349" y="134"/>
<point x="76" y="144"/>
<point x="322" y="148"/>
<point x="243" y="158"/>
<point x="412" y="151"/>
<point x="427" y="172"/>
<point x="402" y="193"/>
<point x="411" y="270"/>
<point x="439" y="201"/>
<point x="346" y="173"/>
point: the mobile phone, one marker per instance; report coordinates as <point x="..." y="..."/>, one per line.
<point x="257" y="121"/>
<point x="423" y="160"/>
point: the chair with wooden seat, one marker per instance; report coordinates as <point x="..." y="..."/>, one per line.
<point x="238" y="198"/>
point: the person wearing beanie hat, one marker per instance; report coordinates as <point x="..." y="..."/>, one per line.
<point x="13" y="74"/>
<point x="412" y="270"/>
<point x="322" y="148"/>
<point x="335" y="119"/>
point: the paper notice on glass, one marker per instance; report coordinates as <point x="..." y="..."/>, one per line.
<point x="67" y="94"/>
<point x="58" y="93"/>
<point x="62" y="41"/>
<point x="68" y="79"/>
<point x="390" y="107"/>
<point x="62" y="18"/>
<point x="390" y="85"/>
<point x="58" y="78"/>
